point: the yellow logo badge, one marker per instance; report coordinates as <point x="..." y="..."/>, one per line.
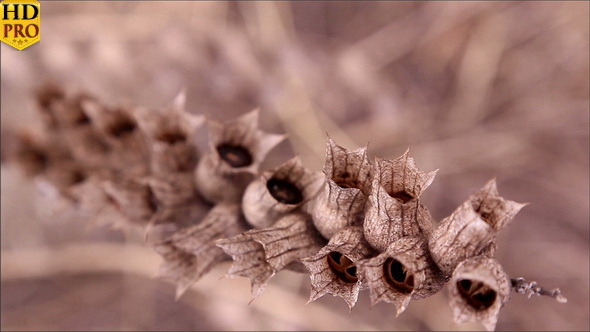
<point x="21" y="23"/>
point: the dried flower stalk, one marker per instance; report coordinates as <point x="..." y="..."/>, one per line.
<point x="471" y="229"/>
<point x="279" y="191"/>
<point x="236" y="150"/>
<point x="333" y="269"/>
<point x="394" y="210"/>
<point x="477" y="290"/>
<point x="341" y="202"/>
<point x="405" y="271"/>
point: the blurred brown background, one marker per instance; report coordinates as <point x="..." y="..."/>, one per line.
<point x="475" y="89"/>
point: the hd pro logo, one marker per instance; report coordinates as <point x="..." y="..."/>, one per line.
<point x="21" y="23"/>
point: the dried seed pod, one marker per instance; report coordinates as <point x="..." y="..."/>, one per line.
<point x="341" y="201"/>
<point x="394" y="210"/>
<point x="333" y="269"/>
<point x="403" y="272"/>
<point x="191" y="252"/>
<point x="260" y="253"/>
<point x="173" y="190"/>
<point x="36" y="153"/>
<point x="477" y="290"/>
<point x="236" y="150"/>
<point x="471" y="229"/>
<point x="170" y="132"/>
<point x="279" y="191"/>
<point x="119" y="130"/>
<point x="60" y="108"/>
<point x="133" y="197"/>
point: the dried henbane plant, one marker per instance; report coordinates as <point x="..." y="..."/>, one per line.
<point x="359" y="225"/>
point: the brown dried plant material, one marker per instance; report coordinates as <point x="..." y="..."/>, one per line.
<point x="173" y="190"/>
<point x="36" y="152"/>
<point x="118" y="128"/>
<point x="394" y="210"/>
<point x="405" y="271"/>
<point x="191" y="252"/>
<point x="236" y="150"/>
<point x="170" y="132"/>
<point x="477" y="290"/>
<point x="133" y="197"/>
<point x="60" y="108"/>
<point x="471" y="229"/>
<point x="341" y="201"/>
<point x="279" y="191"/>
<point x="333" y="269"/>
<point x="259" y="254"/>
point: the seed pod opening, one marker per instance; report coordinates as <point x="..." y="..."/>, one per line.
<point x="471" y="229"/>
<point x="403" y="272"/>
<point x="334" y="268"/>
<point x="279" y="191"/>
<point x="478" y="289"/>
<point x="237" y="148"/>
<point x="341" y="202"/>
<point x="170" y="131"/>
<point x="394" y="210"/>
<point x="191" y="252"/>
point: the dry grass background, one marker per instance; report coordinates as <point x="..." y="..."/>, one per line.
<point x="476" y="89"/>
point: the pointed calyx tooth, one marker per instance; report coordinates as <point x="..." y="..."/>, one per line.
<point x="260" y="253"/>
<point x="471" y="229"/>
<point x="170" y="132"/>
<point x="237" y="148"/>
<point x="279" y="191"/>
<point x="341" y="201"/>
<point x="403" y="272"/>
<point x="191" y="252"/>
<point x="333" y="269"/>
<point x="477" y="290"/>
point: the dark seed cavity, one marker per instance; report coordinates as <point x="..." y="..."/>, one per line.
<point x="403" y="196"/>
<point x="397" y="276"/>
<point x="172" y="137"/>
<point x="477" y="294"/>
<point x="342" y="267"/>
<point x="284" y="191"/>
<point x="122" y="128"/>
<point x="235" y="155"/>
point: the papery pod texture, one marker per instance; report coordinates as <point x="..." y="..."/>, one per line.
<point x="394" y="210"/>
<point x="191" y="252"/>
<point x="333" y="269"/>
<point x="477" y="290"/>
<point x="169" y="132"/>
<point x="279" y="191"/>
<point x="471" y="229"/>
<point x="260" y="253"/>
<point x="341" y="201"/>
<point x="236" y="150"/>
<point x="403" y="272"/>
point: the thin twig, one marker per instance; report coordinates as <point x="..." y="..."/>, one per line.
<point x="520" y="286"/>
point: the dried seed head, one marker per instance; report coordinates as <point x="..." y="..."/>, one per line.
<point x="403" y="272"/>
<point x="237" y="149"/>
<point x="279" y="191"/>
<point x="477" y="290"/>
<point x="394" y="210"/>
<point x="62" y="108"/>
<point x="333" y="269"/>
<point x="170" y="132"/>
<point x="471" y="229"/>
<point x="191" y="252"/>
<point x="341" y="202"/>
<point x="260" y="253"/>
